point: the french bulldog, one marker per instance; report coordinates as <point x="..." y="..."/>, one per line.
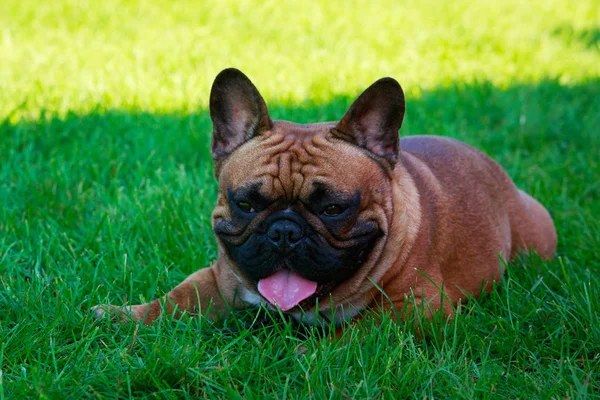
<point x="325" y="220"/>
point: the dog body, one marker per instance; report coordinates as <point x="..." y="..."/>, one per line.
<point x="343" y="216"/>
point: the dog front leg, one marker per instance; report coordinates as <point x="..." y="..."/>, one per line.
<point x="203" y="292"/>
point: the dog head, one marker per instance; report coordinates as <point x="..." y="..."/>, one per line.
<point x="302" y="207"/>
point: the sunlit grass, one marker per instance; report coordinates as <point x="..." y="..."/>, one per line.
<point x="162" y="56"/>
<point x="106" y="191"/>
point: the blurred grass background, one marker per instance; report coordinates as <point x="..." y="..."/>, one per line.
<point x="161" y="56"/>
<point x="106" y="190"/>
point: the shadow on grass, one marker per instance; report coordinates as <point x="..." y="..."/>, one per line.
<point x="119" y="201"/>
<point x="55" y="168"/>
<point x="126" y="196"/>
<point x="143" y="181"/>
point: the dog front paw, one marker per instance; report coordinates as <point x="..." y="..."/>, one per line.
<point x="116" y="314"/>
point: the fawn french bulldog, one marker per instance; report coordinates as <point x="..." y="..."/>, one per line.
<point x="337" y="215"/>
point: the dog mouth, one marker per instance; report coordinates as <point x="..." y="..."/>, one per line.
<point x="286" y="289"/>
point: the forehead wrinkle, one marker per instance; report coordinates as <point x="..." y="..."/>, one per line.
<point x="314" y="156"/>
<point x="286" y="160"/>
<point x="289" y="174"/>
<point x="307" y="150"/>
<point x="285" y="156"/>
<point x="285" y="174"/>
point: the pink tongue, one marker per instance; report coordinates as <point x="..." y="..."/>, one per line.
<point x="286" y="289"/>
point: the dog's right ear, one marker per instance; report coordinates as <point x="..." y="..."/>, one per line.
<point x="238" y="112"/>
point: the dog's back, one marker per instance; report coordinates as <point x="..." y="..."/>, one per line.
<point x="471" y="215"/>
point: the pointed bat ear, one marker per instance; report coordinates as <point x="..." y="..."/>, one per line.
<point x="373" y="120"/>
<point x="238" y="112"/>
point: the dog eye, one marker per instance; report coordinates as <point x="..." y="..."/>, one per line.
<point x="333" y="210"/>
<point x="246" y="207"/>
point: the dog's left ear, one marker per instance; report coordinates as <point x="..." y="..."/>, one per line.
<point x="373" y="120"/>
<point x="238" y="112"/>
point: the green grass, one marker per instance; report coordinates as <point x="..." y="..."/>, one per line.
<point x="106" y="190"/>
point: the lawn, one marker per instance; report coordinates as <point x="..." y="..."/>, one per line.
<point x="106" y="190"/>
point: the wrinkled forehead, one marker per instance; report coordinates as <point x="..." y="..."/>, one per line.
<point x="293" y="160"/>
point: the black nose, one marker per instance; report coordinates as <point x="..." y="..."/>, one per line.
<point x="284" y="232"/>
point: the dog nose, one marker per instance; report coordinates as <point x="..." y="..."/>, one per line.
<point x="285" y="232"/>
